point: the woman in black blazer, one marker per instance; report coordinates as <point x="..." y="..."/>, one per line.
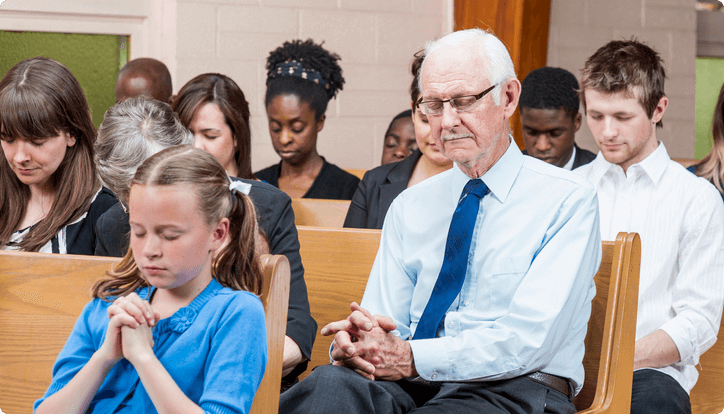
<point x="382" y="184"/>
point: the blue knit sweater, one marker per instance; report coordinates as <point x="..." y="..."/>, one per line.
<point x="214" y="348"/>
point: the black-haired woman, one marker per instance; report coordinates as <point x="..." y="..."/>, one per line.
<point x="301" y="79"/>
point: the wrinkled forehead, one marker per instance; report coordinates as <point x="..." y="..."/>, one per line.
<point x="454" y="64"/>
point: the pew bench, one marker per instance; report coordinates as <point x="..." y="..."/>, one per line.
<point x="337" y="263"/>
<point x="319" y="212"/>
<point x="42" y="295"/>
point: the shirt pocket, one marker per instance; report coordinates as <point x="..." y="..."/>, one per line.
<point x="505" y="276"/>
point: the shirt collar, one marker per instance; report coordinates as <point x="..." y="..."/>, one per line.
<point x="500" y="177"/>
<point x="569" y="164"/>
<point x="653" y="166"/>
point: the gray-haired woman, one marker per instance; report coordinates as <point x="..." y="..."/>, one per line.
<point x="134" y="130"/>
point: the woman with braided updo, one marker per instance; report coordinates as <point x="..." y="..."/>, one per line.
<point x="301" y="79"/>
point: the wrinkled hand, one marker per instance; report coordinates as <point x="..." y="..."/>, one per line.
<point x="127" y="311"/>
<point x="364" y="343"/>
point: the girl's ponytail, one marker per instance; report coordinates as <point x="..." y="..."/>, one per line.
<point x="238" y="265"/>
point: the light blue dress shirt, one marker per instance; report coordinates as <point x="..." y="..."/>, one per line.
<point x="526" y="299"/>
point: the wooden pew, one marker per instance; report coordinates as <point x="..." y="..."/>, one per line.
<point x="275" y="297"/>
<point x="707" y="397"/>
<point x="319" y="212"/>
<point x="357" y="172"/>
<point x="337" y="263"/>
<point x="42" y="295"/>
<point x="611" y="333"/>
<point x="687" y="162"/>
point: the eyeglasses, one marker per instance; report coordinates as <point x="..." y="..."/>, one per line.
<point x="459" y="104"/>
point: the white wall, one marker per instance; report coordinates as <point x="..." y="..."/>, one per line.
<point x="375" y="39"/>
<point x="579" y="27"/>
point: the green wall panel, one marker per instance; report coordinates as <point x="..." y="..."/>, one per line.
<point x="93" y="59"/>
<point x="709" y="80"/>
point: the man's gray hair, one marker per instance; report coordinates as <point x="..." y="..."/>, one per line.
<point x="132" y="131"/>
<point x="500" y="68"/>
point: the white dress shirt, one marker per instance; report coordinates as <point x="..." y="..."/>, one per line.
<point x="569" y="164"/>
<point x="680" y="218"/>
<point x="525" y="302"/>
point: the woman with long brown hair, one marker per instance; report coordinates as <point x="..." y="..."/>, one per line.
<point x="712" y="166"/>
<point x="215" y="109"/>
<point x="50" y="194"/>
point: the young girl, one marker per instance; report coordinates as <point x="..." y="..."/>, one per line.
<point x="172" y="329"/>
<point x="214" y="108"/>
<point x="50" y="194"/>
<point x="301" y="79"/>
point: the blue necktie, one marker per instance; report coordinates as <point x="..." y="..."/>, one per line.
<point x="455" y="263"/>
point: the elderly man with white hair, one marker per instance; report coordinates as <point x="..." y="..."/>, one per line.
<point x="479" y="304"/>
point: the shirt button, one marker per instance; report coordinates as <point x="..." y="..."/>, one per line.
<point x="433" y="376"/>
<point x="467" y="302"/>
<point x="451" y="324"/>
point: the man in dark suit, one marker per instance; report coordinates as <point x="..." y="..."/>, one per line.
<point x="550" y="119"/>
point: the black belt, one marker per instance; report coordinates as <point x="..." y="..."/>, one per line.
<point x="559" y="384"/>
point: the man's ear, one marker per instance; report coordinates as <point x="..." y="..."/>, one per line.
<point x="510" y="94"/>
<point x="660" y="109"/>
<point x="577" y="122"/>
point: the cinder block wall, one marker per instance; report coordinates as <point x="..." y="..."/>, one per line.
<point x="375" y="39"/>
<point x="579" y="27"/>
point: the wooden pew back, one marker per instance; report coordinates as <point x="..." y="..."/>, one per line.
<point x="357" y="172"/>
<point x="319" y="212"/>
<point x="687" y="162"/>
<point x="42" y="295"/>
<point x="275" y="297"/>
<point x="337" y="264"/>
<point x="611" y="329"/>
<point x="707" y="397"/>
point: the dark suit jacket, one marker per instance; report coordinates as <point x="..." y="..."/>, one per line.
<point x="80" y="237"/>
<point x="276" y="219"/>
<point x="377" y="190"/>
<point x="583" y="157"/>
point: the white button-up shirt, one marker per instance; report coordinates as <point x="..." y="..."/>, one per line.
<point x="680" y="218"/>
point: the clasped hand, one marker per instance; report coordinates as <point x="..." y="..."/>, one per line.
<point x="365" y="343"/>
<point x="129" y="333"/>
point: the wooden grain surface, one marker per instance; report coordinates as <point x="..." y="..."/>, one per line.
<point x="707" y="397"/>
<point x="41" y="296"/>
<point x="337" y="263"/>
<point x="522" y="25"/>
<point x="39" y="303"/>
<point x="319" y="213"/>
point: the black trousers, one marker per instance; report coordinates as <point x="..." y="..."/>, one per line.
<point x="331" y="389"/>
<point x="657" y="393"/>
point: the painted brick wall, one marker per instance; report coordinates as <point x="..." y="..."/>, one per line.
<point x="579" y="27"/>
<point x="375" y="39"/>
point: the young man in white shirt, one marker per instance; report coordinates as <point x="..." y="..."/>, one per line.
<point x="679" y="216"/>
